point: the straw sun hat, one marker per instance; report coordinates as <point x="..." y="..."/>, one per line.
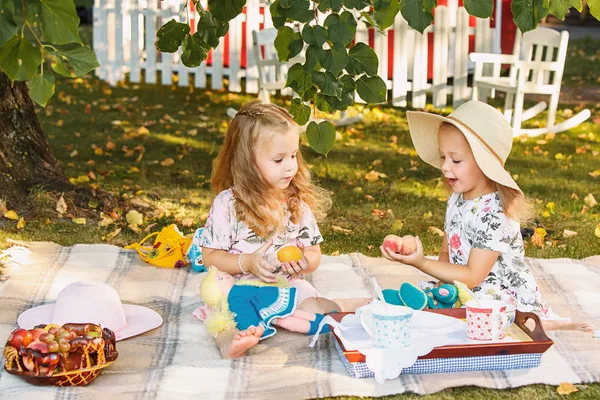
<point x="95" y="302"/>
<point x="488" y="132"/>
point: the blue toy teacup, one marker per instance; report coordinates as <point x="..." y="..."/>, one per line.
<point x="389" y="325"/>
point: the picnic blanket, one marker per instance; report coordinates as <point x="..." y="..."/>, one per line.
<point x="180" y="358"/>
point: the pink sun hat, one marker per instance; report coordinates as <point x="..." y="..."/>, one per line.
<point x="95" y="302"/>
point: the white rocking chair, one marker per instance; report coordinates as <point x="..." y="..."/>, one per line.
<point x="272" y="73"/>
<point x="536" y="67"/>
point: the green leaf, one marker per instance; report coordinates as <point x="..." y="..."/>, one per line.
<point x="385" y="12"/>
<point x="594" y="6"/>
<point x="33" y="9"/>
<point x="19" y="59"/>
<point x="310" y="92"/>
<point x="480" y="8"/>
<point x="75" y="61"/>
<point x="429" y="5"/>
<point x="210" y="30"/>
<point x="328" y="84"/>
<point x="321" y="137"/>
<point x="298" y="79"/>
<point x="362" y="59"/>
<point x="412" y="11"/>
<point x="336" y="59"/>
<point x="278" y="14"/>
<point x="527" y="13"/>
<point x="226" y="10"/>
<point x="288" y="43"/>
<point x="341" y="29"/>
<point x="334" y="5"/>
<point x="300" y="111"/>
<point x="41" y="88"/>
<point x="315" y="35"/>
<point x="301" y="11"/>
<point x="194" y="50"/>
<point x="60" y="22"/>
<point x="367" y="19"/>
<point x="286" y="3"/>
<point x="312" y="60"/>
<point x="371" y="89"/>
<point x="559" y="8"/>
<point x="170" y="36"/>
<point x="8" y="27"/>
<point x="357" y="4"/>
<point x="331" y="103"/>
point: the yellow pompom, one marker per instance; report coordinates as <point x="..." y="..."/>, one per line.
<point x="217" y="322"/>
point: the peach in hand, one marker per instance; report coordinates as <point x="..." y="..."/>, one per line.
<point x="409" y="245"/>
<point x="289" y="253"/>
<point x="392" y="242"/>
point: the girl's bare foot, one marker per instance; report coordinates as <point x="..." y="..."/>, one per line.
<point x="243" y="341"/>
<point x="567" y="326"/>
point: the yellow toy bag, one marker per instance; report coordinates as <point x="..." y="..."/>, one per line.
<point x="169" y="248"/>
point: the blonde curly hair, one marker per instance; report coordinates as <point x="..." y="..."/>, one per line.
<point x="256" y="204"/>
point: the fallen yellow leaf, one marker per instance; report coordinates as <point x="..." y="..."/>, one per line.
<point x="134" y="217"/>
<point x="61" y="206"/>
<point x="597" y="231"/>
<point x="79" y="221"/>
<point x="538" y="237"/>
<point x="427" y="215"/>
<point x="187" y="222"/>
<point x="11" y="214"/>
<point x="436" y="231"/>
<point x="114" y="233"/>
<point x="397" y="225"/>
<point x="372" y="176"/>
<point x="566" y="388"/>
<point x="21" y="223"/>
<point x="167" y="162"/>
<point x="590" y="200"/>
<point x="339" y="229"/>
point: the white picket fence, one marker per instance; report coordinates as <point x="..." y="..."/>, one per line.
<point x="125" y="31"/>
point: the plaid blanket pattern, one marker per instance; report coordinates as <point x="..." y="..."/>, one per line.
<point x="180" y="358"/>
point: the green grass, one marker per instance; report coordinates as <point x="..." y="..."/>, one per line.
<point x="188" y="126"/>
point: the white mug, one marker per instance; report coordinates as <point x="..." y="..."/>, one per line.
<point x="389" y="325"/>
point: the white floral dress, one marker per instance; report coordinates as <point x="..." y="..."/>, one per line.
<point x="481" y="223"/>
<point x="224" y="231"/>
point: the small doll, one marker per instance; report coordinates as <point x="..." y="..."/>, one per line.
<point x="245" y="303"/>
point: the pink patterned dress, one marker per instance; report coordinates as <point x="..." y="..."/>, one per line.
<point x="224" y="231"/>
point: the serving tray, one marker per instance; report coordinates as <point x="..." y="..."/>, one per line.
<point x="479" y="356"/>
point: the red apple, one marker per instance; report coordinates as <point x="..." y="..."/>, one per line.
<point x="36" y="333"/>
<point x="20" y="337"/>
<point x="393" y="242"/>
<point x="409" y="245"/>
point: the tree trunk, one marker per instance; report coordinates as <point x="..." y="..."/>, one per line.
<point x="26" y="159"/>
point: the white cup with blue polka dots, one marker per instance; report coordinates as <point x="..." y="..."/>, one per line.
<point x="389" y="325"/>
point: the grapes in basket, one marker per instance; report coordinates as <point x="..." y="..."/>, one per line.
<point x="68" y="355"/>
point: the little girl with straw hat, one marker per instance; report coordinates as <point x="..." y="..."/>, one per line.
<point x="482" y="245"/>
